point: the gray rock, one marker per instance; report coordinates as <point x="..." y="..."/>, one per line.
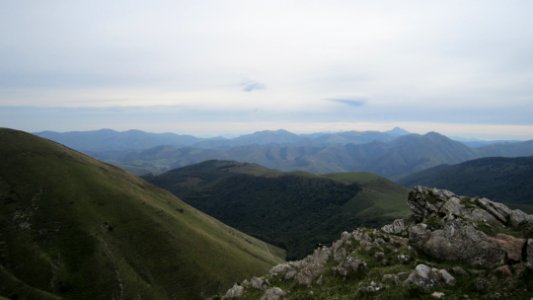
<point x="313" y="266"/>
<point x="458" y="241"/>
<point x="438" y="295"/>
<point x="518" y="217"/>
<point x="258" y="283"/>
<point x="403" y="259"/>
<point x="511" y="245"/>
<point x="425" y="202"/>
<point x="235" y="292"/>
<point x="529" y="254"/>
<point x="453" y="207"/>
<point x="290" y="274"/>
<point x="498" y="210"/>
<point x="350" y="265"/>
<point x="447" y="277"/>
<point x="345" y="236"/>
<point x="339" y="254"/>
<point x="280" y="269"/>
<point x="274" y="293"/>
<point x="482" y="216"/>
<point x="397" y="227"/>
<point x="428" y="278"/>
<point x="422" y="277"/>
<point x="423" y="271"/>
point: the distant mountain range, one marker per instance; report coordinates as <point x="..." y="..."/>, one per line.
<point x="507" y="180"/>
<point x="72" y="227"/>
<point x="393" y="154"/>
<point x="295" y="211"/>
<point x="111" y="140"/>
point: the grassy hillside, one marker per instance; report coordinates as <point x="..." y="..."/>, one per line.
<point x="76" y="228"/>
<point x="507" y="180"/>
<point x="293" y="210"/>
<point x="387" y="198"/>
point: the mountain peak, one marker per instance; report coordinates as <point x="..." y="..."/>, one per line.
<point x="277" y="131"/>
<point x="397" y="131"/>
<point x="435" y="134"/>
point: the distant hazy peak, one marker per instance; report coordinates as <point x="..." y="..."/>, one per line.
<point x="397" y="131"/>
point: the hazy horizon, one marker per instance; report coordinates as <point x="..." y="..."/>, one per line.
<point x="238" y="134"/>
<point x="210" y="68"/>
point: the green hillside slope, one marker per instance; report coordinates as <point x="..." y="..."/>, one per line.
<point x="508" y="180"/>
<point x="76" y="228"/>
<point x="296" y="211"/>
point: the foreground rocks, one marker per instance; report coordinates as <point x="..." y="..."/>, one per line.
<point x="451" y="247"/>
<point x="446" y="226"/>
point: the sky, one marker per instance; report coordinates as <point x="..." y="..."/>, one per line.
<point x="224" y="67"/>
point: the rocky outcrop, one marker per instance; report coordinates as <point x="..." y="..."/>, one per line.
<point x="428" y="278"/>
<point x="450" y="227"/>
<point x="426" y="203"/>
<point x="448" y="241"/>
<point x="274" y="293"/>
<point x="235" y="292"/>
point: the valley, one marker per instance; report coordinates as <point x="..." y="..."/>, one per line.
<point x="294" y="210"/>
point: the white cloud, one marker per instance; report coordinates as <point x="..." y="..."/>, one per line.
<point x="397" y="55"/>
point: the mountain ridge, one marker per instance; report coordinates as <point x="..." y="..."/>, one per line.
<point x="394" y="154"/>
<point x="508" y="180"/>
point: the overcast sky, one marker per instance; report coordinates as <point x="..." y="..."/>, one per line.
<point x="463" y="68"/>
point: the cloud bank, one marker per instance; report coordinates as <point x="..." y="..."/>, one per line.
<point x="450" y="62"/>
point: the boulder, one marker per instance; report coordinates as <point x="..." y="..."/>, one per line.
<point x="447" y="277"/>
<point x="274" y="293"/>
<point x="458" y="241"/>
<point x="427" y="278"/>
<point x="511" y="245"/>
<point x="258" y="283"/>
<point x="518" y="218"/>
<point x="235" y="292"/>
